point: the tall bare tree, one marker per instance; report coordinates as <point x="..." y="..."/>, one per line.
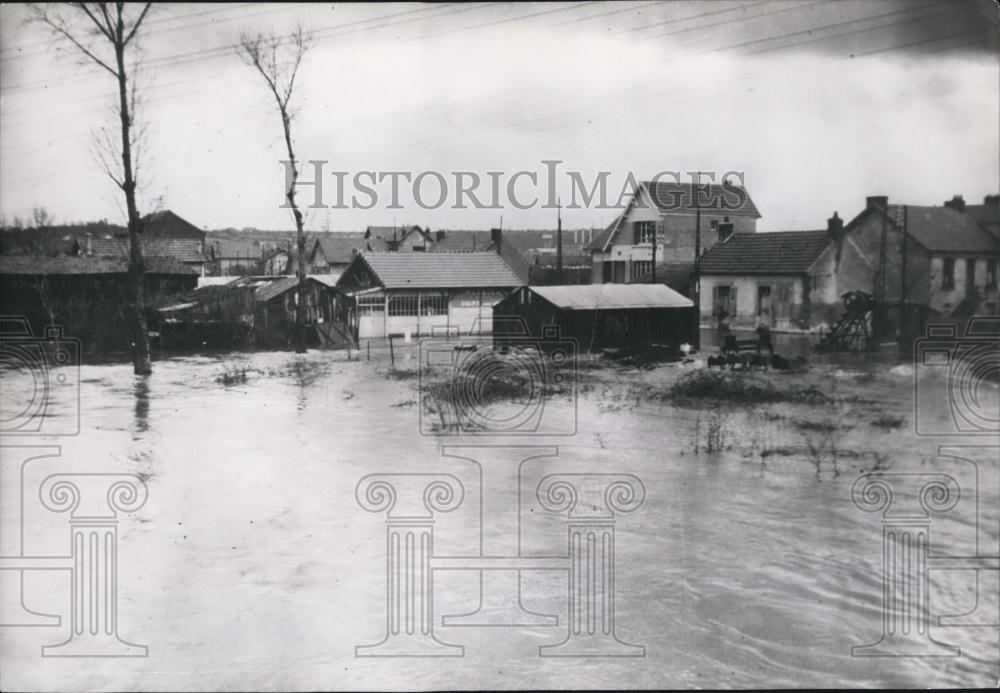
<point x="104" y="33"/>
<point x="277" y="59"/>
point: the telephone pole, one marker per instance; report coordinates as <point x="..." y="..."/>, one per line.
<point x="696" y="292"/>
<point x="559" y="258"/>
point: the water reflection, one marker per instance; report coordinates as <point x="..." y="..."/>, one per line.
<point x="141" y="392"/>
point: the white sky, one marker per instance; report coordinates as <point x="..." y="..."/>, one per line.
<point x="766" y="88"/>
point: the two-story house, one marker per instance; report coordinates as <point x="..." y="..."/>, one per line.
<point x="668" y="212"/>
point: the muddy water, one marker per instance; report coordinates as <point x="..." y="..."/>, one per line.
<point x="252" y="566"/>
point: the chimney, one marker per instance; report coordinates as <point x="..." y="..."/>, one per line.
<point x="439" y="235"/>
<point x="956" y="203"/>
<point x="880" y="201"/>
<point x="834" y="226"/>
<point x="496" y="238"/>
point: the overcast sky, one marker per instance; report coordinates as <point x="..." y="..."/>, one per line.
<point x="817" y="104"/>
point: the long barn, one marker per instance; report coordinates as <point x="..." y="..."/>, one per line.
<point x="601" y="316"/>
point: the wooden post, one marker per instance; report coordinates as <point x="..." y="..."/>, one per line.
<point x="559" y="252"/>
<point x="368" y="347"/>
<point x="696" y="291"/>
<point x="392" y="356"/>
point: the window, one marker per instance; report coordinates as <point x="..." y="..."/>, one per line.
<point x="645" y="232"/>
<point x="970" y="272"/>
<point x="948" y="273"/>
<point x="371" y="305"/>
<point x="433" y="305"/>
<point x="725" y="230"/>
<point x="991" y="274"/>
<point x="641" y="267"/>
<point x="402" y="305"/>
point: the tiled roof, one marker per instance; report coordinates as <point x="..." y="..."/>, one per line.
<point x="462" y="241"/>
<point x="733" y="200"/>
<point x="166" y="224"/>
<point x="266" y="291"/>
<point x="338" y="250"/>
<point x="776" y="252"/>
<point x="943" y="229"/>
<point x="612" y="296"/>
<point x="68" y="264"/>
<point x="181" y="249"/>
<point x="236" y="249"/>
<point x="602" y="239"/>
<point x="440" y="270"/>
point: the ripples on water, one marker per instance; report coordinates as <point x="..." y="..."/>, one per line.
<point x="252" y="566"/>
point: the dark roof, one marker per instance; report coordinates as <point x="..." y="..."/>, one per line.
<point x="439" y="270"/>
<point x="68" y="264"/>
<point x="236" y="248"/>
<point x="340" y="251"/>
<point x="776" y="252"/>
<point x="166" y="224"/>
<point x="680" y="198"/>
<point x="945" y="229"/>
<point x="462" y="241"/>
<point x="939" y="229"/>
<point x="987" y="215"/>
<point x="388" y="233"/>
<point x="181" y="249"/>
<point x="604" y="236"/>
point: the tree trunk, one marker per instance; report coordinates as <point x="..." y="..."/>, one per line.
<point x="300" y="238"/>
<point x="136" y="309"/>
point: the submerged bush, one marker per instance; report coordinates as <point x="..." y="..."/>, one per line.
<point x="738" y="388"/>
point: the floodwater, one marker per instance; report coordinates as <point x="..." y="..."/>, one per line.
<point x="252" y="566"/>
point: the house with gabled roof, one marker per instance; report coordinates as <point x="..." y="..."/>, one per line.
<point x="667" y="212"/>
<point x="761" y="278"/>
<point x="951" y="258"/>
<point x="164" y="235"/>
<point x="333" y="252"/>
<point x="398" y="293"/>
<point x="914" y="260"/>
<point x="407" y="237"/>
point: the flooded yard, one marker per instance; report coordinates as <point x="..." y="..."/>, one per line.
<point x="748" y="564"/>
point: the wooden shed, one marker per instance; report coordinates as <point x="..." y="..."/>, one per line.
<point x="599" y="316"/>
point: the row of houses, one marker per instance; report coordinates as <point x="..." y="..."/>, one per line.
<point x="940" y="259"/>
<point x="408" y="281"/>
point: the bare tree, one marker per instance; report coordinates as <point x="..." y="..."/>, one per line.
<point x="104" y="32"/>
<point x="41" y="217"/>
<point x="277" y="60"/>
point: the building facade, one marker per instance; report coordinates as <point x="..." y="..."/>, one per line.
<point x="426" y="293"/>
<point x="669" y="213"/>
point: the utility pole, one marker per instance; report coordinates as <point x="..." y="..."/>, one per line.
<point x="697" y="272"/>
<point x="903" y="250"/>
<point x="879" y="313"/>
<point x="559" y="269"/>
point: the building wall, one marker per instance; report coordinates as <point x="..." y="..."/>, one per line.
<point x="944" y="299"/>
<point x="676" y="234"/>
<point x="468" y="312"/>
<point x="790" y="309"/>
